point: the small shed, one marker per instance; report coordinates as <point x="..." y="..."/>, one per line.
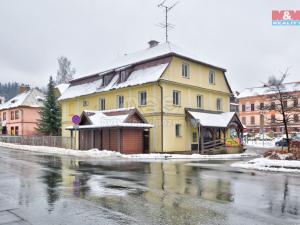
<point x="122" y="130"/>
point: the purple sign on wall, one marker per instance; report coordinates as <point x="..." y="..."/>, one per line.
<point x="76" y="119"/>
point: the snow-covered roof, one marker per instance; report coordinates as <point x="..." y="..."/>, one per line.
<point x="258" y="91"/>
<point x="152" y="53"/>
<point x="111" y="118"/>
<point x="140" y="76"/>
<point x="212" y="119"/>
<point x="30" y="98"/>
<point x="62" y="87"/>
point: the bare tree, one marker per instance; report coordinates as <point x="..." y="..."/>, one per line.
<point x="65" y="72"/>
<point x="281" y="101"/>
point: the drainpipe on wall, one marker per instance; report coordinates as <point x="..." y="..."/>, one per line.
<point x="161" y="115"/>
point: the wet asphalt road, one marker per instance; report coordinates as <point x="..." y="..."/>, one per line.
<point x="43" y="189"/>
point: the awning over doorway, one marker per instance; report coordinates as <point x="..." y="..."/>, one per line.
<point x="125" y="117"/>
<point x="205" y="119"/>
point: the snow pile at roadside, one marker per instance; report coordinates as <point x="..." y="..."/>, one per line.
<point x="189" y="157"/>
<point x="266" y="164"/>
<point x="95" y="153"/>
<point x="261" y="144"/>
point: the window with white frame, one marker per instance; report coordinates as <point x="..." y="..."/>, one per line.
<point x="199" y="101"/>
<point x="178" y="130"/>
<point x="219" y="104"/>
<point x="176" y="98"/>
<point x="212" y="77"/>
<point x="102" y="103"/>
<point x="185" y="70"/>
<point x="17" y="114"/>
<point x="120" y="101"/>
<point x="142" y="98"/>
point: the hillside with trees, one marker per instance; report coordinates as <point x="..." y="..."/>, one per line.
<point x="9" y="90"/>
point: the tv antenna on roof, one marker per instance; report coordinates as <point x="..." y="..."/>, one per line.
<point x="166" y="25"/>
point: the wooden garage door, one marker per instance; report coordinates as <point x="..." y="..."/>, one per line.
<point x="132" y="141"/>
<point x="98" y="139"/>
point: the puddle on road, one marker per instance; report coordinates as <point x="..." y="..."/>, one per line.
<point x="166" y="193"/>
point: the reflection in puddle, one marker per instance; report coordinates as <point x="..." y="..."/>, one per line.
<point x="99" y="188"/>
<point x="52" y="178"/>
<point x="181" y="179"/>
<point x="170" y="192"/>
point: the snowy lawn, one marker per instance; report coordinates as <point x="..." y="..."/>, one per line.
<point x="95" y="153"/>
<point x="266" y="164"/>
<point x="261" y="144"/>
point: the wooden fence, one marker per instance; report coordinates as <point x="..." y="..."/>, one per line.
<point x="51" y="141"/>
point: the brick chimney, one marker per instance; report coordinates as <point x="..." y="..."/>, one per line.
<point x="153" y="43"/>
<point x="23" y="88"/>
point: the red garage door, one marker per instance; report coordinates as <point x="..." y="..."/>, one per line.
<point x="132" y="141"/>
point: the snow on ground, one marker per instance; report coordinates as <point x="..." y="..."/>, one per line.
<point x="95" y="153"/>
<point x="261" y="144"/>
<point x="62" y="151"/>
<point x="266" y="164"/>
<point x="190" y="157"/>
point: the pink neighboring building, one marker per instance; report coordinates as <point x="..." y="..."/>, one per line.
<point x="20" y="115"/>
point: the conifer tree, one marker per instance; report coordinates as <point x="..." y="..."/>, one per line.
<point x="50" y="122"/>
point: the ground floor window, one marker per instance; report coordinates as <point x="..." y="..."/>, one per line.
<point x="4" y="130"/>
<point x="178" y="130"/>
<point x="17" y="131"/>
<point x="12" y="131"/>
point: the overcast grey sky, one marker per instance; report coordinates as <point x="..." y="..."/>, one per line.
<point x="234" y="34"/>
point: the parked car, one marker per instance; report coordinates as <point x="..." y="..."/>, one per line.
<point x="282" y="142"/>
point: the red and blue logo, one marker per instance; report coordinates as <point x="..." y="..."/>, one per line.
<point x="286" y="17"/>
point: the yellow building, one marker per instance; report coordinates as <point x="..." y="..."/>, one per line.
<point x="186" y="100"/>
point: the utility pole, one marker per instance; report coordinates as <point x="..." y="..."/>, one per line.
<point x="166" y="25"/>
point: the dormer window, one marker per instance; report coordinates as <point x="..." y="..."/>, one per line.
<point x="102" y="82"/>
<point x="106" y="80"/>
<point x="123" y="75"/>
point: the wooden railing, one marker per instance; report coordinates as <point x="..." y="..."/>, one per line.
<point x="214" y="143"/>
